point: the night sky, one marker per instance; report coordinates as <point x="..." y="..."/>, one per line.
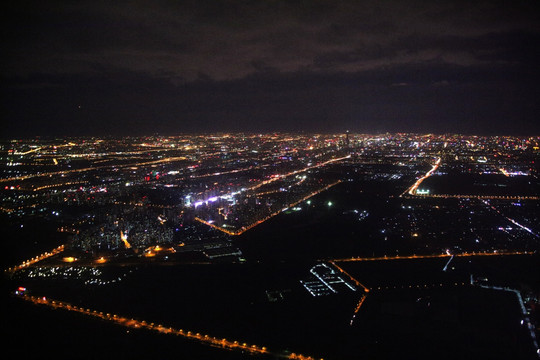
<point x="171" y="67"/>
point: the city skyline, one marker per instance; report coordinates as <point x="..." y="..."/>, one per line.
<point x="274" y="245"/>
<point x="270" y="179"/>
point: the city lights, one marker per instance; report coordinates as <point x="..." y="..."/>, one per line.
<point x="331" y="204"/>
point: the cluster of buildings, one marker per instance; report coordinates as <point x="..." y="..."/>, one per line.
<point x="145" y="191"/>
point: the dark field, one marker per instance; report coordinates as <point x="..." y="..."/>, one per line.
<point x="414" y="309"/>
<point x="485" y="184"/>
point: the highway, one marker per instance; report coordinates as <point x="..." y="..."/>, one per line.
<point x="448" y="263"/>
<point x="510" y="219"/>
<point x="225" y="172"/>
<point x="444" y="255"/>
<point x="526" y="319"/>
<point x="295" y="172"/>
<point x="64" y="172"/>
<point x="461" y="196"/>
<point x="141" y="324"/>
<point x="358" y="306"/>
<point x="362" y="298"/>
<point x="412" y="191"/>
<point x="36" y="259"/>
<point x="414" y="187"/>
<point x="237" y="345"/>
<point x="243" y="229"/>
<point x="356" y="282"/>
<point x="281" y="176"/>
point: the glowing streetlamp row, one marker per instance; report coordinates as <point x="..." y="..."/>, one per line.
<point x="243" y="229"/>
<point x="142" y="324"/>
<point x="36" y="259"/>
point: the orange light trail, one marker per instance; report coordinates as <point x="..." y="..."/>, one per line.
<point x="141" y="324"/>
<point x="27" y="152"/>
<point x="36" y="259"/>
<point x="358" y="283"/>
<point x="458" y="196"/>
<point x="282" y="176"/>
<point x="300" y="357"/>
<point x="350" y="276"/>
<point x="466" y="254"/>
<point x="414" y="187"/>
<point x="298" y="172"/>
<point x="358" y="306"/>
<point x="60" y="184"/>
<point x="123" y="237"/>
<point x="178" y="158"/>
<point x="366" y="290"/>
<point x="228" y="171"/>
<point x="243" y="229"/>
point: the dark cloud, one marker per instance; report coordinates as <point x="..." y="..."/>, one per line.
<point x="223" y="39"/>
<point x="192" y="65"/>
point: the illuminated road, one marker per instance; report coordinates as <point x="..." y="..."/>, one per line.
<point x="419" y="286"/>
<point x="281" y="176"/>
<point x="414" y="187"/>
<point x="412" y="190"/>
<point x="69" y="183"/>
<point x="358" y="306"/>
<point x="224" y="343"/>
<point x="27" y="152"/>
<point x="357" y="283"/>
<point x="225" y="172"/>
<point x="510" y="219"/>
<point x="448" y="263"/>
<point x="459" y="196"/>
<point x="451" y="256"/>
<point x="362" y="298"/>
<point x="64" y="172"/>
<point x="36" y="259"/>
<point x="408" y="257"/>
<point x="298" y="171"/>
<point x="243" y="229"/>
<point x="141" y="324"/>
<point x="524" y="313"/>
